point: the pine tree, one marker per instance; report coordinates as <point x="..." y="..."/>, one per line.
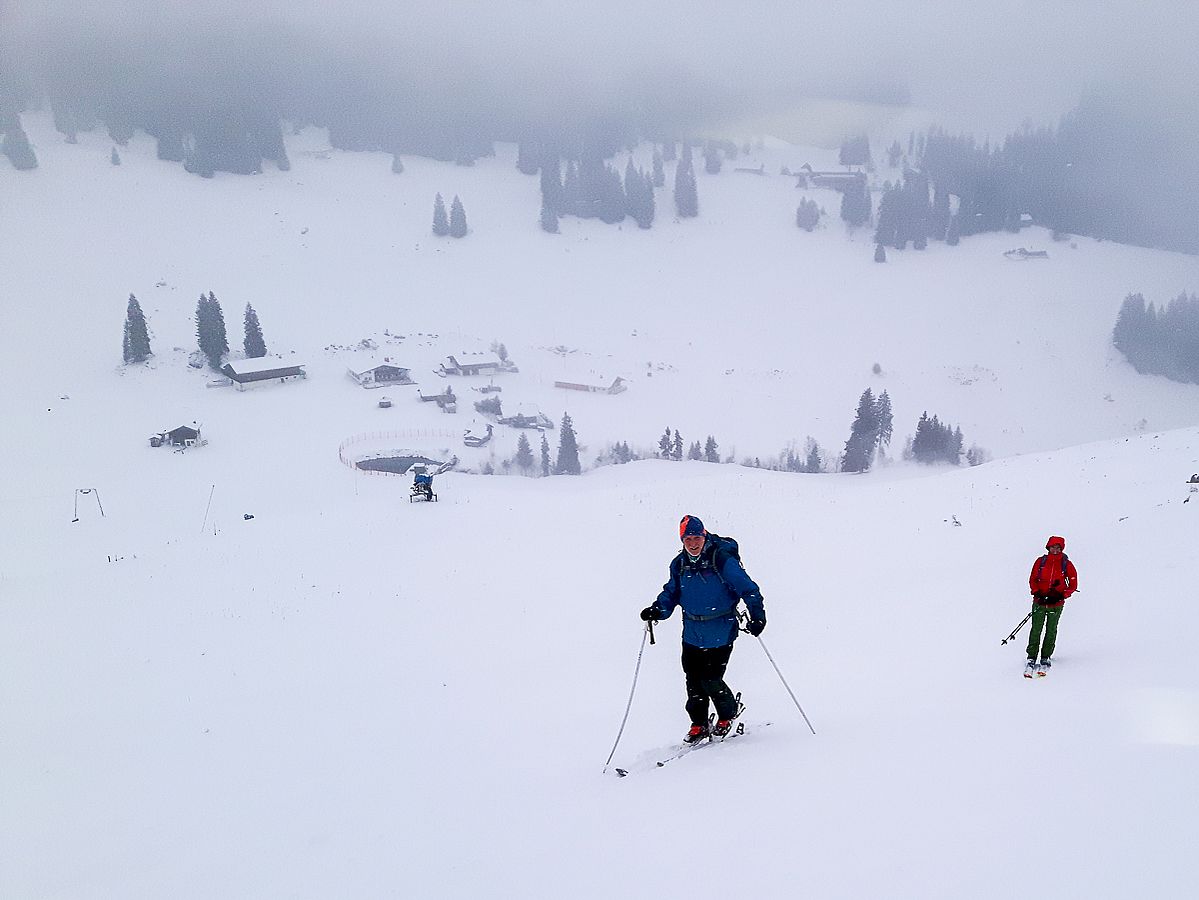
<point x="813" y="464"/>
<point x="882" y="415"/>
<point x="572" y="197"/>
<point x="210" y="330"/>
<point x="855" y="204"/>
<point x="855" y="151"/>
<point x="711" y="451"/>
<point x="524" y="454"/>
<point x="607" y="194"/>
<point x="457" y="218"/>
<point x="887" y="228"/>
<point x="568" y="449"/>
<point x="935" y="441"/>
<point x="1133" y="333"/>
<point x="676" y="450"/>
<point x="712" y="160"/>
<point x="16" y="146"/>
<point x="114" y="157"/>
<point x="954" y="235"/>
<point x="922" y="442"/>
<point x="668" y="151"/>
<point x="441" y="223"/>
<point x="807" y="216"/>
<point x="397" y="167"/>
<point x="665" y="444"/>
<point x="659" y="171"/>
<point x="880" y="253"/>
<point x="686" y="195"/>
<point x="526" y="158"/>
<point x="938" y="225"/>
<point x="694" y="451"/>
<point x="135" y="347"/>
<point x="639" y="196"/>
<point x="549" y="218"/>
<point x="253" y="343"/>
<point x="863" y="437"/>
<point x="545" y="455"/>
<point x="551" y="186"/>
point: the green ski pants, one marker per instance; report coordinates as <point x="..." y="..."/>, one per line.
<point x="1043" y="617"/>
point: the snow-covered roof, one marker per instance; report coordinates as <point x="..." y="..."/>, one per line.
<point x="358" y="368"/>
<point x="263" y="364"/>
<point x="474" y="359"/>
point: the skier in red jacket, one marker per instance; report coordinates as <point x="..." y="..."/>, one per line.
<point x="1052" y="580"/>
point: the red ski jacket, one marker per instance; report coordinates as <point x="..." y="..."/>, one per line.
<point x="1053" y="579"/>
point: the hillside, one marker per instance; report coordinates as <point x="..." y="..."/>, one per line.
<point x="260" y="673"/>
<point x="754" y="332"/>
<point x="351" y="696"/>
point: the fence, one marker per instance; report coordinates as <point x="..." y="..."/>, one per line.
<point x="371" y="437"/>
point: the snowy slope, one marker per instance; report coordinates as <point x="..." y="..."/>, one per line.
<point x="349" y="695"/>
<point x="359" y="697"/>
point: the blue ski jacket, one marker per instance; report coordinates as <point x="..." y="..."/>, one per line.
<point x="708" y="589"/>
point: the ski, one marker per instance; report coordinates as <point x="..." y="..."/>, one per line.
<point x="700" y="744"/>
<point x="687" y="749"/>
<point x="710" y="738"/>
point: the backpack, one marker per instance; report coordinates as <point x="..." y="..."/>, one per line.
<point x="726" y="544"/>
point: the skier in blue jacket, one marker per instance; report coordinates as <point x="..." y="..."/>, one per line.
<point x="707" y="581"/>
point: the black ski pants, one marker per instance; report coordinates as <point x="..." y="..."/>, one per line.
<point x="704" y="668"/>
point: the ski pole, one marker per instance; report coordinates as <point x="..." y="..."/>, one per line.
<point x="649" y="629"/>
<point x="784" y="681"/>
<point x="1012" y="636"/>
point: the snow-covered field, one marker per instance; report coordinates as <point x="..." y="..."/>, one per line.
<point x="348" y="695"/>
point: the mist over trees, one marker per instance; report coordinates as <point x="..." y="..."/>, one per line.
<point x="1160" y="340"/>
<point x="1114" y="167"/>
<point x="214" y="95"/>
<point x="936" y="441"/>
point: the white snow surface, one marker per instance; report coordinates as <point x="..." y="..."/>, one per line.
<point x="348" y="695"/>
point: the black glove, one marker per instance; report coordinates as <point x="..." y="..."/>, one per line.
<point x="756" y="626"/>
<point x="651" y="614"/>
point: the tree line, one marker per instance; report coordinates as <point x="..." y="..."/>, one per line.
<point x="1160" y="340"/>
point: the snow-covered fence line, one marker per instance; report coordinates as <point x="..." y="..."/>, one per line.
<point x="369" y="437"/>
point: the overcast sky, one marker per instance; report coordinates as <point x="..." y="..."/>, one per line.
<point x="984" y="64"/>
